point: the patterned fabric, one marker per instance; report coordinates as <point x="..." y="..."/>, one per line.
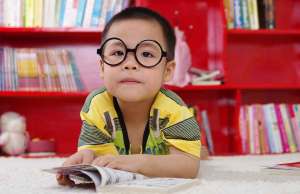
<point x="170" y="123"/>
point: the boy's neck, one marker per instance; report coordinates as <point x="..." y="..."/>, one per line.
<point x="135" y="111"/>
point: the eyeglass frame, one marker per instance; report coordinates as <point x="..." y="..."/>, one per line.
<point x="163" y="53"/>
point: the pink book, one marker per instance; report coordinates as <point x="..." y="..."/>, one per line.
<point x="295" y="127"/>
<point x="283" y="135"/>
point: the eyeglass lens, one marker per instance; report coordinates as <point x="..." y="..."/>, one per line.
<point x="148" y="53"/>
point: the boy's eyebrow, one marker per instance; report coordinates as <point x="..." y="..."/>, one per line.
<point x="118" y="43"/>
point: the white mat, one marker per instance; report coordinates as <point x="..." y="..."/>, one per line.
<point x="219" y="175"/>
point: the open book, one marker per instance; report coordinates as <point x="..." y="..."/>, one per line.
<point x="291" y="168"/>
<point x="108" y="180"/>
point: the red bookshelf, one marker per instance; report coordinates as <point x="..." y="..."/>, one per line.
<point x="260" y="66"/>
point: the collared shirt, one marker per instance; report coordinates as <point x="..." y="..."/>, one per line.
<point x="170" y="123"/>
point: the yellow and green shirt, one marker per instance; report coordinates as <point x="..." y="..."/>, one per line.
<point x="170" y="123"/>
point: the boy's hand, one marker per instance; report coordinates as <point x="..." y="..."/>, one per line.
<point x="80" y="157"/>
<point x="130" y="163"/>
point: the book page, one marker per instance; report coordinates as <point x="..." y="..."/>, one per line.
<point x="113" y="176"/>
<point x="158" y="183"/>
<point x="151" y="186"/>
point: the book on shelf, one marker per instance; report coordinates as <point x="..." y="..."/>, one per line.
<point x="62" y="13"/>
<point x="208" y="78"/>
<point x="250" y="14"/>
<point x="270" y="128"/>
<point x="28" y="69"/>
<point x="108" y="180"/>
<point x="288" y="168"/>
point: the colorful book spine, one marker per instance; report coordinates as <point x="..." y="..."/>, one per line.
<point x="70" y="13"/>
<point x="295" y="126"/>
<point x="269" y="14"/>
<point x="243" y="129"/>
<point x="268" y="122"/>
<point x="1" y="69"/>
<point x="207" y="131"/>
<point x="79" y="84"/>
<point x="238" y="18"/>
<point x="251" y="128"/>
<point x="38" y="13"/>
<point x="62" y="12"/>
<point x="88" y="13"/>
<point x="69" y="74"/>
<point x="263" y="138"/>
<point x="288" y="127"/>
<point x="1" y="15"/>
<point x="96" y="13"/>
<point x="105" y="8"/>
<point x="245" y="14"/>
<point x="229" y="13"/>
<point x="80" y="12"/>
<point x="282" y="130"/>
<point x="253" y="14"/>
<point x="28" y="13"/>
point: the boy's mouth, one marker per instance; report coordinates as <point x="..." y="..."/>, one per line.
<point x="130" y="81"/>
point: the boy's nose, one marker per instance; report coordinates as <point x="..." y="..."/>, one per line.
<point x="130" y="62"/>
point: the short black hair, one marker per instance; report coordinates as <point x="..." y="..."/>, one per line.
<point x="146" y="14"/>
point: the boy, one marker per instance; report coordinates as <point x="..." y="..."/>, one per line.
<point x="133" y="123"/>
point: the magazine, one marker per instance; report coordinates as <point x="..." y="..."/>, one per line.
<point x="291" y="168"/>
<point x="108" y="180"/>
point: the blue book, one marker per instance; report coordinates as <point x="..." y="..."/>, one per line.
<point x="238" y="18"/>
<point x="79" y="84"/>
<point x="96" y="13"/>
<point x="111" y="11"/>
<point x="62" y="12"/>
<point x="80" y="12"/>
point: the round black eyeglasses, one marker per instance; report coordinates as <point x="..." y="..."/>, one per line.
<point x="148" y="53"/>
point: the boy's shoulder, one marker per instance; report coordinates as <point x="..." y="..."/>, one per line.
<point x="100" y="96"/>
<point x="166" y="95"/>
<point x="169" y="103"/>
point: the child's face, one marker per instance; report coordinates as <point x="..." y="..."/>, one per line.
<point x="129" y="81"/>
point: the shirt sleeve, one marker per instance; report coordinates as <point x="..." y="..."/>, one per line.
<point x="183" y="132"/>
<point x="93" y="134"/>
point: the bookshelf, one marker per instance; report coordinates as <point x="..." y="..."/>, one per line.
<point x="260" y="66"/>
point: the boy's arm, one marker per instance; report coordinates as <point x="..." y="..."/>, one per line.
<point x="177" y="164"/>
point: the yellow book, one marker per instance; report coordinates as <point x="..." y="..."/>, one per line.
<point x="26" y="63"/>
<point x="229" y="13"/>
<point x="38" y="13"/>
<point x="28" y="13"/>
<point x="253" y="14"/>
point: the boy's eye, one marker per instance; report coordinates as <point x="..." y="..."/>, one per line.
<point x="117" y="53"/>
<point x="147" y="54"/>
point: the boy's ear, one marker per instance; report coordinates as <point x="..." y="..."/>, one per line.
<point x="169" y="70"/>
<point x="101" y="67"/>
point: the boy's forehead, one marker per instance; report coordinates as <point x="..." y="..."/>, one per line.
<point x="133" y="31"/>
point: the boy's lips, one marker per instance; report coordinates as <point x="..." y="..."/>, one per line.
<point x="130" y="81"/>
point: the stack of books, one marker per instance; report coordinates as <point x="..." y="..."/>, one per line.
<point x="270" y="128"/>
<point x="250" y="14"/>
<point x="27" y="69"/>
<point x="59" y="13"/>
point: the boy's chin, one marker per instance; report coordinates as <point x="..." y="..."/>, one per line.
<point x="132" y="97"/>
